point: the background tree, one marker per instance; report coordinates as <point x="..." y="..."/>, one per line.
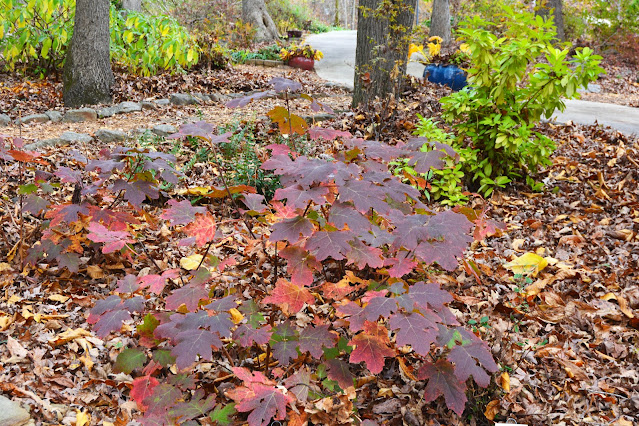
<point x="382" y="48"/>
<point x="87" y="74"/>
<point x="440" y="21"/>
<point x="254" y="11"/>
<point x="545" y="7"/>
<point x="135" y="5"/>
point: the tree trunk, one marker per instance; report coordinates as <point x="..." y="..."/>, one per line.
<point x="254" y="11"/>
<point x="543" y="9"/>
<point x="382" y="48"/>
<point x="87" y="74"/>
<point x="440" y="21"/>
<point x="134" y="5"/>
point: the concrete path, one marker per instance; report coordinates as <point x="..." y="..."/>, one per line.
<point x="338" y="65"/>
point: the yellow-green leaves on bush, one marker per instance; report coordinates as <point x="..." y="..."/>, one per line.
<point x="34" y="34"/>
<point x="146" y="44"/>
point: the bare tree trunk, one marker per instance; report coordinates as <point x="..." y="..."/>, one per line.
<point x="87" y="74"/>
<point x="254" y="11"/>
<point x="382" y="48"/>
<point x="440" y="21"/>
<point x="544" y="7"/>
<point x="336" y="20"/>
<point x="134" y="5"/>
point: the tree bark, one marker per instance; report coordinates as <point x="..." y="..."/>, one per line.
<point x="134" y="5"/>
<point x="543" y="9"/>
<point x="254" y="11"/>
<point x="87" y="74"/>
<point x="382" y="48"/>
<point x="440" y="21"/>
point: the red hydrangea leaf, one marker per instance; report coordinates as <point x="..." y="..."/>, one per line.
<point x="247" y="335"/>
<point x="301" y="265"/>
<point x="181" y="212"/>
<point x="189" y="295"/>
<point x="329" y="244"/>
<point x="65" y="212"/>
<point x="34" y="204"/>
<point x="313" y="171"/>
<point x="128" y="360"/>
<point x="371" y="346"/>
<point x="68" y="175"/>
<point x="203" y="229"/>
<point x="290" y="297"/>
<point x="415" y="330"/>
<point x="422" y="162"/>
<point x="71" y="261"/>
<point x="264" y="403"/>
<point x="298" y="197"/>
<point x="163" y="396"/>
<point x="429" y="295"/>
<point x="128" y="284"/>
<point x="143" y="388"/>
<point x="312" y="339"/>
<point x="197" y="407"/>
<point x="442" y="381"/>
<point x="191" y="343"/>
<point x="327" y="133"/>
<point x="243" y="101"/>
<point x="410" y="230"/>
<point x="291" y="229"/>
<point x="136" y="192"/>
<point x="362" y="255"/>
<point x="299" y="384"/>
<point x="114" y="240"/>
<point x="281" y="84"/>
<point x="356" y="313"/>
<point x="254" y="202"/>
<point x="380" y="306"/>
<point x="110" y="321"/>
<point x="278" y="163"/>
<point x="400" y="265"/>
<point x="339" y="371"/>
<point x="344" y="214"/>
<point x="285" y="343"/>
<point x="472" y="358"/>
<point x="249" y="377"/>
<point x="364" y="195"/>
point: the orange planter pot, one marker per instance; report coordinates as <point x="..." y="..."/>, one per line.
<point x="301" y="62"/>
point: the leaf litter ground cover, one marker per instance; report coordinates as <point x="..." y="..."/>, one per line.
<point x="567" y="344"/>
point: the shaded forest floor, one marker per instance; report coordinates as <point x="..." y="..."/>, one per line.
<point x="567" y="339"/>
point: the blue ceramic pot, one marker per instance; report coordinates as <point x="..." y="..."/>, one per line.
<point x="449" y="75"/>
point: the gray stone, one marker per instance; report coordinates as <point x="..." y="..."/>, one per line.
<point x="81" y="114"/>
<point x="107" y="135"/>
<point x="594" y="88"/>
<point x="203" y="97"/>
<point x="11" y="413"/>
<point x="33" y="118"/>
<point x="64" y="138"/>
<point x="4" y="120"/>
<point x="55" y="116"/>
<point x="108" y="111"/>
<point x="268" y="63"/>
<point x="184" y="99"/>
<point x="163" y="129"/>
<point x="162" y="101"/>
<point x="148" y="105"/>
<point x="127" y="107"/>
<point x="76" y="137"/>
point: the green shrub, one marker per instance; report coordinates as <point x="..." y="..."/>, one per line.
<point x="146" y="44"/>
<point x="515" y="79"/>
<point x="35" y="37"/>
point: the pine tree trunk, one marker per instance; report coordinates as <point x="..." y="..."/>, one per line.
<point x="543" y="9"/>
<point x="382" y="48"/>
<point x="87" y="74"/>
<point x="254" y="11"/>
<point x="440" y="21"/>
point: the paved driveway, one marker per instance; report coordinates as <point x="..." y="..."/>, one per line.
<point x="338" y="66"/>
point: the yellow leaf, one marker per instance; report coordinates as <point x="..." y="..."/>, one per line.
<point x="236" y="316"/>
<point x="82" y="418"/>
<point x="505" y="381"/>
<point x="58" y="298"/>
<point x="191" y="262"/>
<point x="527" y="264"/>
<point x="69" y="335"/>
<point x="623" y="304"/>
<point x="492" y="409"/>
<point x="415" y="48"/>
